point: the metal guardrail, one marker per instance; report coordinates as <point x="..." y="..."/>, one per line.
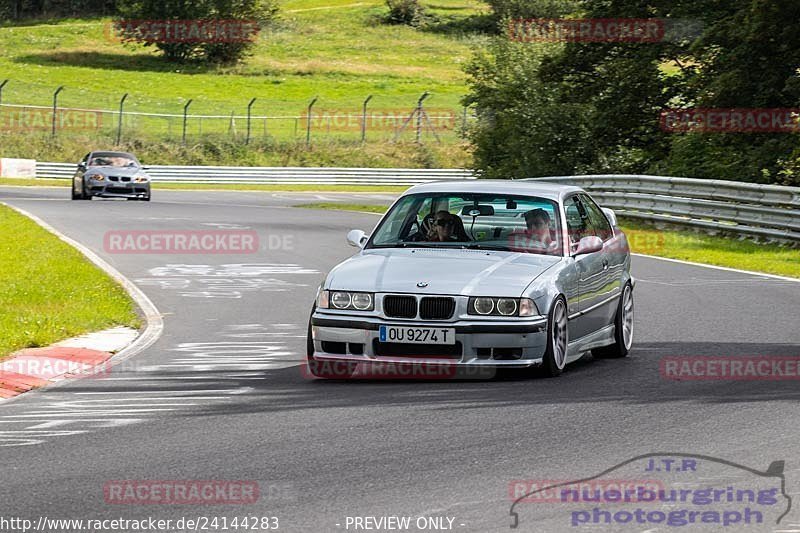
<point x="769" y="211"/>
<point x="277" y="175"/>
<point x="748" y="209"/>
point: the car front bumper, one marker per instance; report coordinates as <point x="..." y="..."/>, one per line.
<point x="515" y="344"/>
<point x="119" y="190"/>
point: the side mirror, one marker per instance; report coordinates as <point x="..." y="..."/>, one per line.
<point x="611" y="216"/>
<point x="589" y="245"/>
<point x="357" y="238"/>
<point x="82" y="165"/>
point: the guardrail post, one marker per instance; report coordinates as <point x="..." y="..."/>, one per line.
<point x="308" y="121"/>
<point x="185" y="112"/>
<point x="420" y="111"/>
<point x="249" y="108"/>
<point x="55" y="107"/>
<point x="119" y="124"/>
<point x="3" y="84"/>
<point x="364" y="120"/>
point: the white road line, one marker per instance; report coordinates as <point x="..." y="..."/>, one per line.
<point x="715" y="267"/>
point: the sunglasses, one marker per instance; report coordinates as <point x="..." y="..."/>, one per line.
<point x="444" y="222"/>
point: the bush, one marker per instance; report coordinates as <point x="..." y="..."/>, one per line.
<point x="407" y="12"/>
<point x="508" y="9"/>
<point x="248" y="17"/>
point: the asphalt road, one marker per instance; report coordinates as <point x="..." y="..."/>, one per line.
<point x="221" y="395"/>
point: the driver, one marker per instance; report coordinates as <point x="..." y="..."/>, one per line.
<point x="443" y="228"/>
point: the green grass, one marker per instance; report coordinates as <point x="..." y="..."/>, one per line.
<point x="49" y="291"/>
<point x="713" y="250"/>
<point x="331" y="48"/>
<point x="360" y="208"/>
<point x="29" y="182"/>
<point x="674" y="243"/>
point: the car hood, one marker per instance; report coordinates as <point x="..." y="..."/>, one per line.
<point x="116" y="171"/>
<point x="456" y="272"/>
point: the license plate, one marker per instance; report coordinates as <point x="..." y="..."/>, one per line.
<point x="414" y="335"/>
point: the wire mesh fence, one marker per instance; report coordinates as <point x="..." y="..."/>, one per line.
<point x="59" y="111"/>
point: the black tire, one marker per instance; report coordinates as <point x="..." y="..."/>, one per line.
<point x="623" y="328"/>
<point x="72" y="192"/>
<point x="555" y="356"/>
<point x="325" y="369"/>
<point x="146" y="198"/>
<point x="85" y="195"/>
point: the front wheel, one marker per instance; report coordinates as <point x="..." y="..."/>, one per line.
<point x="555" y="357"/>
<point x="623" y="328"/>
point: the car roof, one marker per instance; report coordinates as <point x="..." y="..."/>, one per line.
<point x="113" y="154"/>
<point x="542" y="189"/>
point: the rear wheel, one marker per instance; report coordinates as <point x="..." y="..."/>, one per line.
<point x="623" y="328"/>
<point x="555" y="357"/>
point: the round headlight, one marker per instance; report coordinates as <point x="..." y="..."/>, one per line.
<point x="484" y="306"/>
<point x="506" y="306"/>
<point x="362" y="301"/>
<point x="341" y="300"/>
<point x="97" y="177"/>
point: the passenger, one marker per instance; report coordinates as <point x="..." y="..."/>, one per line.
<point x="536" y="238"/>
<point x="538" y="222"/>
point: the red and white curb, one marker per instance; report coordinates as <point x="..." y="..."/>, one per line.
<point x="106" y="348"/>
<point x="34" y="368"/>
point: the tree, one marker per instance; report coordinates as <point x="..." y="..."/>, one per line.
<point x="218" y="31"/>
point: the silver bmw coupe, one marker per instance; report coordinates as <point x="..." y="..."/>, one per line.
<point x="479" y="273"/>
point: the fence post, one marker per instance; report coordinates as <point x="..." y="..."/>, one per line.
<point x="364" y="120"/>
<point x="185" y="112"/>
<point x="1" y="90"/>
<point x="119" y="124"/>
<point x="249" y="108"/>
<point x="308" y="121"/>
<point x="419" y="115"/>
<point x="55" y="107"/>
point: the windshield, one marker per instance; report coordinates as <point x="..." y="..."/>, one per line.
<point x="112" y="160"/>
<point x="482" y="221"/>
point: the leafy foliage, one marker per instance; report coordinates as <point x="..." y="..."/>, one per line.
<point x="241" y="16"/>
<point x="595" y="107"/>
<point x="407" y="12"/>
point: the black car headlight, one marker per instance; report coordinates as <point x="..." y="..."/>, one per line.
<point x="491" y="306"/>
<point x="346" y="300"/>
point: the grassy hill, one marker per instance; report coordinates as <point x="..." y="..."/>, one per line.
<point x="334" y="49"/>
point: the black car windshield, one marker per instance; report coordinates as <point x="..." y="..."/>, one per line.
<point x="481" y="221"/>
<point x="112" y="160"/>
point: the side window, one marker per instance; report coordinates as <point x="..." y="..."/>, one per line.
<point x="597" y="219"/>
<point x="578" y="225"/>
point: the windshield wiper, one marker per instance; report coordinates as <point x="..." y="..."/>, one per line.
<point x="477" y="246"/>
